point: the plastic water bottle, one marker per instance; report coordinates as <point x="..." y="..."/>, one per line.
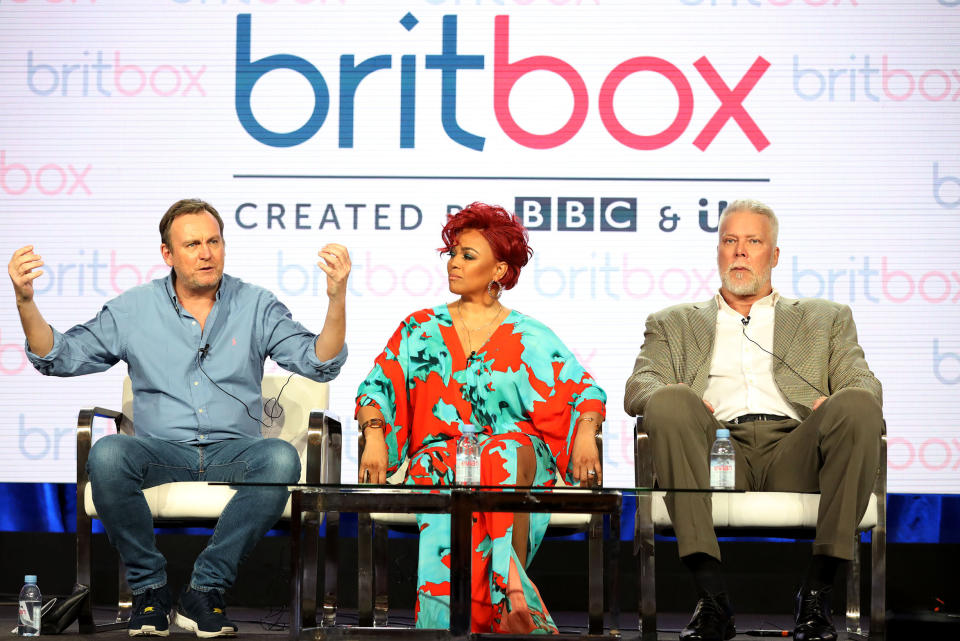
<point x="30" y="603"/>
<point x="722" y="476"/>
<point x="468" y="456"/>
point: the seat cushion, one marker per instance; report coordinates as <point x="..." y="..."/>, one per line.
<point x="181" y="501"/>
<point x="763" y="510"/>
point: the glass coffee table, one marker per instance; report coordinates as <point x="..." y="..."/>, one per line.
<point x="309" y="501"/>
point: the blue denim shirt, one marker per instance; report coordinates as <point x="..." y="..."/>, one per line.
<point x="160" y="342"/>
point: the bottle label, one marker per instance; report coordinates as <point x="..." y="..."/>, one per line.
<point x="468" y="471"/>
<point x="29" y="618"/>
<point x="722" y="476"/>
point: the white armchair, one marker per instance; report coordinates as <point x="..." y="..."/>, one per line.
<point x="304" y="422"/>
<point x="780" y="514"/>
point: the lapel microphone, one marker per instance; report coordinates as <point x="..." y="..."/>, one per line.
<point x="746" y="321"/>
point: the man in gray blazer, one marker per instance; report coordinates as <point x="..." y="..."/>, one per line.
<point x="789" y="380"/>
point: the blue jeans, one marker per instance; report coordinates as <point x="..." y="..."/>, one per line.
<point x="121" y="466"/>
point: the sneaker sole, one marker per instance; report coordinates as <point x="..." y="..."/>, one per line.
<point x="149" y="631"/>
<point x="191" y="626"/>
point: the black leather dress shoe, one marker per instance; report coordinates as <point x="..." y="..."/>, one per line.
<point x="712" y="620"/>
<point x="814" y="622"/>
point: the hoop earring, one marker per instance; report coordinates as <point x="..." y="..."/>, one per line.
<point x="490" y="289"/>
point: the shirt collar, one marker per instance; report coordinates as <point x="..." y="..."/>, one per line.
<point x="170" y="282"/>
<point x="770" y="300"/>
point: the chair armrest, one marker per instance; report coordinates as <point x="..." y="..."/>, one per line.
<point x="85" y="433"/>
<point x="324" y="446"/>
<point x="880" y="484"/>
<point x="643" y="456"/>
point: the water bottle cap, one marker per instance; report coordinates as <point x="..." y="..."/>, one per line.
<point x="30" y="578"/>
<point x="723" y="432"/>
<point x="468" y="428"/>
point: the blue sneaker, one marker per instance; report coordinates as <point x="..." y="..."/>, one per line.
<point x="204" y="613"/>
<point x="151" y="613"/>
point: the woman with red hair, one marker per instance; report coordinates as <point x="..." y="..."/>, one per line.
<point x="535" y="408"/>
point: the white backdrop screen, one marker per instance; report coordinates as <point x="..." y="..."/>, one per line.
<point x="616" y="129"/>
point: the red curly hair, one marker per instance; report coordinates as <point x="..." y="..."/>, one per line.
<point x="501" y="229"/>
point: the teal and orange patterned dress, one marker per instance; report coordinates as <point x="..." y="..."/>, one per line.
<point x="522" y="388"/>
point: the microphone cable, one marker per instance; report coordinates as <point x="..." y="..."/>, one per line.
<point x="273" y="414"/>
<point x="745" y="322"/>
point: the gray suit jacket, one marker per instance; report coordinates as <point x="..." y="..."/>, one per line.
<point x="816" y="337"/>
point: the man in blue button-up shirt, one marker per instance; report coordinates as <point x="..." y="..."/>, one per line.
<point x="195" y="344"/>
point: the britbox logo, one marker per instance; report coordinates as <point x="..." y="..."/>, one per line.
<point x="49" y="179"/>
<point x="88" y="75"/>
<point x="864" y="80"/>
<point x="450" y="62"/>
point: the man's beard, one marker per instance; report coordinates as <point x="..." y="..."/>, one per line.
<point x="748" y="287"/>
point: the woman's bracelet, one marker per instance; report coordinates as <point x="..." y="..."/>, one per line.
<point x="376" y="423"/>
<point x="588" y="419"/>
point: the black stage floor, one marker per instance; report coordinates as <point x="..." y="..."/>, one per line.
<point x="259" y="623"/>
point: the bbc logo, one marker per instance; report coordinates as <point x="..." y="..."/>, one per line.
<point x="577" y="214"/>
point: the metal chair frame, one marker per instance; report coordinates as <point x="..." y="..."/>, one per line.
<point x="644" y="549"/>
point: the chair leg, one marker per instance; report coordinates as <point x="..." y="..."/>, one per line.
<point x="853" y="592"/>
<point x="646" y="560"/>
<point x="381" y="606"/>
<point x="124" y="594"/>
<point x="595" y="574"/>
<point x="878" y="552"/>
<point x="878" y="575"/>
<point x="364" y="570"/>
<point x="84" y="563"/>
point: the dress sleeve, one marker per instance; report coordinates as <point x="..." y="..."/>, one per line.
<point x="566" y="391"/>
<point x="385" y="388"/>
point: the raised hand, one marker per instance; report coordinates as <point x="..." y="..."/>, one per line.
<point x="336" y="265"/>
<point x="24" y="268"/>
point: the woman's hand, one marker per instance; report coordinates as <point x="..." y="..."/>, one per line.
<point x="585" y="458"/>
<point x="373" y="464"/>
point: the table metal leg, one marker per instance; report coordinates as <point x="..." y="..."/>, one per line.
<point x="331" y="564"/>
<point x="646" y="564"/>
<point x="365" y="570"/>
<point x="595" y="575"/>
<point x="296" y="566"/>
<point x="460" y="563"/>
<point x="381" y="587"/>
<point x="613" y="545"/>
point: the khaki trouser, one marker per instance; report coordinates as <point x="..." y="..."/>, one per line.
<point x="835" y="450"/>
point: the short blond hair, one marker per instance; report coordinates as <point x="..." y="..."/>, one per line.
<point x="754" y="207"/>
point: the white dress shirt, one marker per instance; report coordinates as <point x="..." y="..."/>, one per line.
<point x="741" y="374"/>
